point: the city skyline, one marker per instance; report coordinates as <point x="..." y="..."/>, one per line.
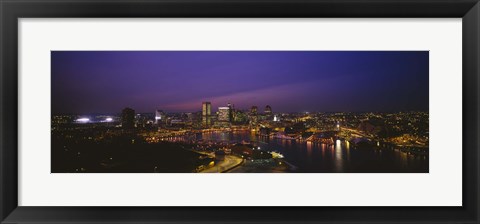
<point x="240" y="112"/>
<point x="311" y="81"/>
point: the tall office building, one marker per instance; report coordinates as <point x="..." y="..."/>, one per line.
<point x="206" y="114"/>
<point x="224" y="114"/>
<point x="160" y="117"/>
<point x="276" y="118"/>
<point x="253" y="116"/>
<point x="128" y="118"/>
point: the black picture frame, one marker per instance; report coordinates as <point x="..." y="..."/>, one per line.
<point x="12" y="10"/>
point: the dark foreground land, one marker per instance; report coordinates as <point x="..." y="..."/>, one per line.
<point x="123" y="156"/>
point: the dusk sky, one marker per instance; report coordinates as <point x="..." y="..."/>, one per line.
<point x="289" y="81"/>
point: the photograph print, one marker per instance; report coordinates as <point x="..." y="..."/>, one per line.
<point x="240" y="112"/>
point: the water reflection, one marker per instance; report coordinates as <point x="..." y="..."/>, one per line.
<point x="347" y="148"/>
<point x="338" y="157"/>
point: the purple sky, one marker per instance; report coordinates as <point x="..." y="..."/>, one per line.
<point x="289" y="81"/>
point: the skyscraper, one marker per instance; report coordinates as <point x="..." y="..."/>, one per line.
<point x="276" y="118"/>
<point x="206" y="114"/>
<point x="128" y="118"/>
<point x="160" y="117"/>
<point x="224" y="114"/>
<point x="253" y="116"/>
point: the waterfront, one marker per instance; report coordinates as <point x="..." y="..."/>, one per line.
<point x="341" y="157"/>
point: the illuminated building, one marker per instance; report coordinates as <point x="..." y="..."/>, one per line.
<point x="253" y="116"/>
<point x="206" y="114"/>
<point x="240" y="117"/>
<point x="160" y="117"/>
<point x="253" y="110"/>
<point x="224" y="114"/>
<point x="267" y="114"/>
<point x="268" y="109"/>
<point x="128" y="118"/>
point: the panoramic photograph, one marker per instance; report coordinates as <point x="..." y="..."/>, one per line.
<point x="239" y="111"/>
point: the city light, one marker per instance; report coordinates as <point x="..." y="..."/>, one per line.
<point x="315" y="132"/>
<point x="83" y="120"/>
<point x="338" y="144"/>
<point x="196" y="116"/>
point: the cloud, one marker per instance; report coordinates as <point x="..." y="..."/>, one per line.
<point x="291" y="94"/>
